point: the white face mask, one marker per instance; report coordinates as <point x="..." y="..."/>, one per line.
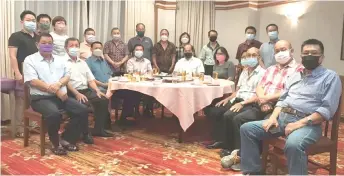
<point x="164" y="37"/>
<point x="98" y="52"/>
<point x="90" y="38"/>
<point x="185" y="40"/>
<point x="250" y="36"/>
<point x="138" y="54"/>
<point x="282" y="57"/>
<point x="116" y="37"/>
<point x="73" y="51"/>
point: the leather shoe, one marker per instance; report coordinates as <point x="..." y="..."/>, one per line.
<point x="215" y="145"/>
<point x="225" y="152"/>
<point x="87" y="139"/>
<point x="102" y="134"/>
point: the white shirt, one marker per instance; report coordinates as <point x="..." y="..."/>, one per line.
<point x="192" y="65"/>
<point x="59" y="42"/>
<point x="80" y="74"/>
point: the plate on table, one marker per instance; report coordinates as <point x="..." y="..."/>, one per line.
<point x="123" y="79"/>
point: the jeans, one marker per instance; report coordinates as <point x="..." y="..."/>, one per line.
<point x="252" y="133"/>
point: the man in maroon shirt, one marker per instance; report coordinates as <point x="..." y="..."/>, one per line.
<point x="249" y="43"/>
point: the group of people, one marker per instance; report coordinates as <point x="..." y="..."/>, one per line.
<point x="274" y="96"/>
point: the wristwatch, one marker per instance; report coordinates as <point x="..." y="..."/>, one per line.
<point x="309" y="121"/>
<point x="242" y="103"/>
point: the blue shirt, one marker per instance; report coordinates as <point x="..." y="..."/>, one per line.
<point x="36" y="67"/>
<point x="100" y="68"/>
<point x="317" y="92"/>
<point x="267" y="52"/>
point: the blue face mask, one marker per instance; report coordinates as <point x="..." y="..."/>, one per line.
<point x="250" y="36"/>
<point x="273" y="35"/>
<point x="30" y="26"/>
<point x="74" y="52"/>
<point x="249" y="62"/>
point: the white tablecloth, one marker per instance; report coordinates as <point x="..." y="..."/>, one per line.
<point x="182" y="99"/>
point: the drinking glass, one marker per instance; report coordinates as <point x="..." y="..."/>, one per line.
<point x="215" y="75"/>
<point x="201" y="76"/>
<point x="175" y="77"/>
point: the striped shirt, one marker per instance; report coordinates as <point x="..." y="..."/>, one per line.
<point x="275" y="77"/>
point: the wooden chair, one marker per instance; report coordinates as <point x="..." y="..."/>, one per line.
<point x="326" y="144"/>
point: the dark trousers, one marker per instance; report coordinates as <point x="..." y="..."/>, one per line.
<point x="130" y="100"/>
<point x="208" y="69"/>
<point x="50" y="107"/>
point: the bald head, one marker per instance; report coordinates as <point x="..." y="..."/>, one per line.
<point x="252" y="52"/>
<point x="282" y="45"/>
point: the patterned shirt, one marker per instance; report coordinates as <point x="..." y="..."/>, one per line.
<point x="143" y="65"/>
<point x="243" y="47"/>
<point x="164" y="56"/>
<point x="275" y="77"/>
<point x="116" y="51"/>
<point x="59" y="42"/>
<point x="248" y="83"/>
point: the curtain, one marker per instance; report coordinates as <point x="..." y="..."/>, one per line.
<point x="75" y="13"/>
<point x="103" y="16"/>
<point x="196" y="18"/>
<point x="141" y="11"/>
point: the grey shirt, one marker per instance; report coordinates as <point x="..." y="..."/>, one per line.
<point x="147" y="45"/>
<point x="267" y="52"/>
<point x="225" y="71"/>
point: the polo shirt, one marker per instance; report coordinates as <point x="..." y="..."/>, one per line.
<point x="36" y="67"/>
<point x="192" y="65"/>
<point x="207" y="54"/>
<point x="143" y="65"/>
<point x="80" y="74"/>
<point x="26" y="45"/>
<point x="267" y="52"/>
<point x="99" y="68"/>
<point x="147" y="45"/>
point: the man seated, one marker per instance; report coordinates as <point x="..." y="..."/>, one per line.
<point x="241" y="101"/>
<point x="189" y="63"/>
<point x="83" y="88"/>
<point x="268" y="91"/>
<point x="102" y="73"/>
<point x="47" y="76"/>
<point x="309" y="98"/>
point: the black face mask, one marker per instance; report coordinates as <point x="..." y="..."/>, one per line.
<point x="188" y="55"/>
<point x="310" y="62"/>
<point x="212" y="38"/>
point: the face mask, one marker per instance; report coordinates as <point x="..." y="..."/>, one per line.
<point x="250" y="36"/>
<point x="282" y="57"/>
<point x="30" y="26"/>
<point x="221" y="58"/>
<point x="164" y="38"/>
<point x="140" y="33"/>
<point x="310" y="62"/>
<point x="273" y="35"/>
<point x="116" y="37"/>
<point x="44" y="26"/>
<point x="213" y="38"/>
<point x="45" y="48"/>
<point x="138" y="54"/>
<point x="90" y="38"/>
<point x="249" y="62"/>
<point x="98" y="52"/>
<point x="74" y="52"/>
<point x="188" y="55"/>
<point x="185" y="40"/>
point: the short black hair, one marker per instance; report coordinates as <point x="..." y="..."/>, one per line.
<point x="251" y="27"/>
<point x="168" y="33"/>
<point x="96" y="42"/>
<point x="271" y="25"/>
<point x="26" y="12"/>
<point x="89" y="29"/>
<point x="40" y="16"/>
<point x="58" y="18"/>
<point x="313" y="42"/>
<point x="115" y="28"/>
<point x="44" y="34"/>
<point x="212" y="31"/>
<point x="180" y="37"/>
<point x="224" y="51"/>
<point x="71" y="39"/>
<point x="140" y="24"/>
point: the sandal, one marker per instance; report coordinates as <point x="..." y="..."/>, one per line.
<point x="71" y="147"/>
<point x="59" y="151"/>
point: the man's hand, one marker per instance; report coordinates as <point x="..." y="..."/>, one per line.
<point x="62" y="95"/>
<point x="54" y="87"/>
<point x="100" y="94"/>
<point x="170" y="70"/>
<point x="105" y="85"/>
<point x="81" y="98"/>
<point x="222" y="103"/>
<point x="237" y="107"/>
<point x="266" y="108"/>
<point x="292" y="127"/>
<point x="19" y="77"/>
<point x="269" y="123"/>
<point x="116" y="64"/>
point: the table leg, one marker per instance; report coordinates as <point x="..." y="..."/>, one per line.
<point x="13" y="115"/>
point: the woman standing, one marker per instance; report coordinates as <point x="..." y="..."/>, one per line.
<point x="183" y="40"/>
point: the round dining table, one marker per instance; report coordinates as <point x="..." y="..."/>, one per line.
<point x="182" y="99"/>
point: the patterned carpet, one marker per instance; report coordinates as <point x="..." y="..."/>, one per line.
<point x="150" y="148"/>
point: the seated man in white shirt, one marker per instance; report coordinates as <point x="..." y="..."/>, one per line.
<point x="189" y="63"/>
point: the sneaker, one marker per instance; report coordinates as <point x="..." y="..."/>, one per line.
<point x="228" y="161"/>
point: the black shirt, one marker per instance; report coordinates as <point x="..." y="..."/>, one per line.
<point x="26" y="45"/>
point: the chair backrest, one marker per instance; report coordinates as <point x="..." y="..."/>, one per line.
<point x="27" y="102"/>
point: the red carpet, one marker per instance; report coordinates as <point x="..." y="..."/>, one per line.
<point x="150" y="148"/>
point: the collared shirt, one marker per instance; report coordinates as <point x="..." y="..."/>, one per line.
<point x="36" y="67"/>
<point x="243" y="47"/>
<point x="147" y="45"/>
<point x="207" y="54"/>
<point x="164" y="56"/>
<point x="267" y="52"/>
<point x="85" y="50"/>
<point x="116" y="51"/>
<point x="59" y="42"/>
<point x="100" y="68"/>
<point x="226" y="70"/>
<point x="80" y="74"/>
<point x="275" y="77"/>
<point x="142" y="65"/>
<point x="180" y="52"/>
<point x="317" y="92"/>
<point x="25" y="44"/>
<point x="192" y="65"/>
<point x="248" y="83"/>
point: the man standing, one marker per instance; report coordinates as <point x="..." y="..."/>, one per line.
<point x="20" y="45"/>
<point x="83" y="87"/>
<point x="310" y="97"/>
<point x="47" y="76"/>
<point x="267" y="48"/>
<point x="43" y="24"/>
<point x="141" y="39"/>
<point x="250" y="42"/>
<point x="85" y="47"/>
<point x="207" y="52"/>
<point x="164" y="53"/>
